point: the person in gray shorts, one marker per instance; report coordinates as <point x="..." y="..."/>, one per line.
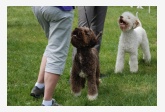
<point x="96" y="17"/>
<point x="57" y="24"/>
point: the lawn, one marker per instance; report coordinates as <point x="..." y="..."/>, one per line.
<point x="26" y="43"/>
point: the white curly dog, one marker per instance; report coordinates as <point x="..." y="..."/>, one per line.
<point x="132" y="36"/>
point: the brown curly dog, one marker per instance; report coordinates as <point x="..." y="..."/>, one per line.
<point x="85" y="63"/>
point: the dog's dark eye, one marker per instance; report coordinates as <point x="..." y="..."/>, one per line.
<point x="79" y="33"/>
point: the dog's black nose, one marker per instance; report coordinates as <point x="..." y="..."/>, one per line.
<point x="121" y="17"/>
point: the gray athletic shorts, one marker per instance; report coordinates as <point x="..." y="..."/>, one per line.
<point x="57" y="25"/>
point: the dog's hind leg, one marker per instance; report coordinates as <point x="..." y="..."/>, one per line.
<point x="98" y="80"/>
<point x="146" y="50"/>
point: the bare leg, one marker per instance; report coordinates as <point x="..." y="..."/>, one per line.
<point x="50" y="80"/>
<point x="42" y="70"/>
<point x="38" y="89"/>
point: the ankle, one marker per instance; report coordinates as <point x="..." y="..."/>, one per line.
<point x="40" y="85"/>
<point x="47" y="102"/>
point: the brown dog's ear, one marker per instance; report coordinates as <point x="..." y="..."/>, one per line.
<point x="99" y="36"/>
<point x="94" y="41"/>
<point x="136" y="24"/>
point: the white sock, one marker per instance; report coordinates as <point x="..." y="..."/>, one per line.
<point x="40" y="85"/>
<point x="47" y="102"/>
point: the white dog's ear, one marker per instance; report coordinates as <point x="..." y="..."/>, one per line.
<point x="136" y="24"/>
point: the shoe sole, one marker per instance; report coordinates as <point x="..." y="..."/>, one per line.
<point x="36" y="96"/>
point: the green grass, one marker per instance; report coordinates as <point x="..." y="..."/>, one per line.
<point x="26" y="43"/>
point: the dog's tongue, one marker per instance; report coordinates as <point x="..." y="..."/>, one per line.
<point x="122" y="25"/>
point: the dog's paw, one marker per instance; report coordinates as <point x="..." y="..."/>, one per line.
<point x="92" y="97"/>
<point x="118" y="71"/>
<point x="134" y="70"/>
<point x="147" y="61"/>
<point x="77" y="94"/>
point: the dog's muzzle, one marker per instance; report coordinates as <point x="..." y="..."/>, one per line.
<point x="121" y="21"/>
<point x="74" y="36"/>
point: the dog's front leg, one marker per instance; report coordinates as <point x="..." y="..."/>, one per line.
<point x="133" y="62"/>
<point x="76" y="85"/>
<point x="92" y="87"/>
<point x="119" y="61"/>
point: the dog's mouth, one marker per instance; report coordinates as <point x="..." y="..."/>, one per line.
<point x="122" y="22"/>
<point x="76" y="34"/>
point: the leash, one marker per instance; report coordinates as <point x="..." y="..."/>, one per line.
<point x="87" y="18"/>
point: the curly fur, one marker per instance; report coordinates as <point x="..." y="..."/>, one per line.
<point x="85" y="63"/>
<point x="132" y="36"/>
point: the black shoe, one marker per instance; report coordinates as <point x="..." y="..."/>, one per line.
<point x="54" y="103"/>
<point x="37" y="92"/>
